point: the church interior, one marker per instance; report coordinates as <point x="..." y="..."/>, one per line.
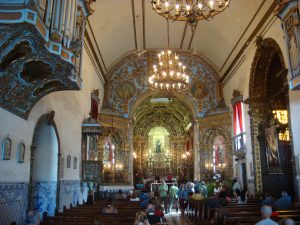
<point x="98" y="96"/>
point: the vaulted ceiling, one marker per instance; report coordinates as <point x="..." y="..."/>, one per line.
<point x="123" y="26"/>
<point x="169" y="113"/>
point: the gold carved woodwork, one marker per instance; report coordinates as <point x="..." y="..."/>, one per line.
<point x="209" y="128"/>
<point x="259" y="99"/>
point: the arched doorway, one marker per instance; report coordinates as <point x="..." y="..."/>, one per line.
<point x="163" y="139"/>
<point x="269" y="110"/>
<point x="44" y="166"/>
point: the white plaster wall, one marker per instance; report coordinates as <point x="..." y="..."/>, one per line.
<point x="241" y="79"/>
<point x="45" y="154"/>
<point x="71" y="108"/>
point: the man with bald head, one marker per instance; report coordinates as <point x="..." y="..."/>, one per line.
<point x="266" y="212"/>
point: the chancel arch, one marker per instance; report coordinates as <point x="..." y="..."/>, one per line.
<point x="136" y="109"/>
<point x="162" y="126"/>
<point x="269" y="113"/>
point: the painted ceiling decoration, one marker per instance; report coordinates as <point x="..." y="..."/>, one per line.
<point x="127" y="81"/>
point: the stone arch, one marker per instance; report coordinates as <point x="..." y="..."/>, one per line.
<point x="49" y="119"/>
<point x="185" y="101"/>
<point x="267" y="49"/>
<point x="268" y="64"/>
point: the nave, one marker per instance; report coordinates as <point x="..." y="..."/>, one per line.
<point x="108" y="95"/>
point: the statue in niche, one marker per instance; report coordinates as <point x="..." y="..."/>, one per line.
<point x="21" y="152"/>
<point x="6" y="148"/>
<point x="158" y="148"/>
<point x="68" y="161"/>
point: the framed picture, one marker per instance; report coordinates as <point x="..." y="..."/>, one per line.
<point x="6" y="148"/>
<point x="21" y="152"/>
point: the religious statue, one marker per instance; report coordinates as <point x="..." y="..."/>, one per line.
<point x="158" y="147"/>
<point x="6" y="148"/>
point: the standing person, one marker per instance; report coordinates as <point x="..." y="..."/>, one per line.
<point x="236" y="185"/>
<point x="266" y="212"/>
<point x="183" y="197"/>
<point x="173" y="197"/>
<point x="283" y="203"/>
<point x="163" y="194"/>
<point x="203" y="189"/>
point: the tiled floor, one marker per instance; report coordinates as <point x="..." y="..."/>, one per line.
<point x="174" y="218"/>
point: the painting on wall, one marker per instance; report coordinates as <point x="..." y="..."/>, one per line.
<point x="6" y="148"/>
<point x="21" y="152"/>
<point x="272" y="150"/>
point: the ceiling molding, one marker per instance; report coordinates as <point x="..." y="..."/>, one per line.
<point x="134" y="24"/>
<point x="96" y="43"/>
<point x="243" y="34"/>
<point x="144" y="26"/>
<point x="249" y="40"/>
<point x="94" y="54"/>
<point x="91" y="56"/>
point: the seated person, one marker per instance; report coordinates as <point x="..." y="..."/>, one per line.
<point x="242" y="197"/>
<point x="144" y="199"/>
<point x="108" y="208"/>
<point x="268" y="200"/>
<point x="141" y="219"/>
<point x="284" y="202"/>
<point x="287" y="221"/>
<point x="151" y="206"/>
<point x="134" y="198"/>
<point x="159" y="211"/>
<point x="120" y="195"/>
<point x="266" y="212"/>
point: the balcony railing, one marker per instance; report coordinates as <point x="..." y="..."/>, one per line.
<point x="239" y="142"/>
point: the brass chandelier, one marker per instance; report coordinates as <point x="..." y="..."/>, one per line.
<point x="189" y="10"/>
<point x="169" y="74"/>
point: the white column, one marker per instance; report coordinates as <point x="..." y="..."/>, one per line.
<point x="48" y="13"/>
<point x="71" y="26"/>
<point x="62" y="15"/>
<point x="74" y="23"/>
<point x="196" y="150"/>
<point x="67" y="17"/>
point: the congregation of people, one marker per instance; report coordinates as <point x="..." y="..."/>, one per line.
<point x="151" y="204"/>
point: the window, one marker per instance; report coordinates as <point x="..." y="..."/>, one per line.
<point x="238" y="126"/>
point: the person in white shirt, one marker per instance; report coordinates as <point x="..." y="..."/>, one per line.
<point x="266" y="212"/>
<point x="236" y="185"/>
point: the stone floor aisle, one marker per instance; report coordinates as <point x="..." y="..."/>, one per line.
<point x="174" y="218"/>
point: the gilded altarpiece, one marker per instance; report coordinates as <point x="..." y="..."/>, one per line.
<point x="215" y="146"/>
<point x="113" y="151"/>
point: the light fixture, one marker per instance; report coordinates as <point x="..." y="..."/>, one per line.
<point x="169" y="74"/>
<point x="189" y="10"/>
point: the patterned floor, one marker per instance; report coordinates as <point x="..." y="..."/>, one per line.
<point x="174" y="218"/>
